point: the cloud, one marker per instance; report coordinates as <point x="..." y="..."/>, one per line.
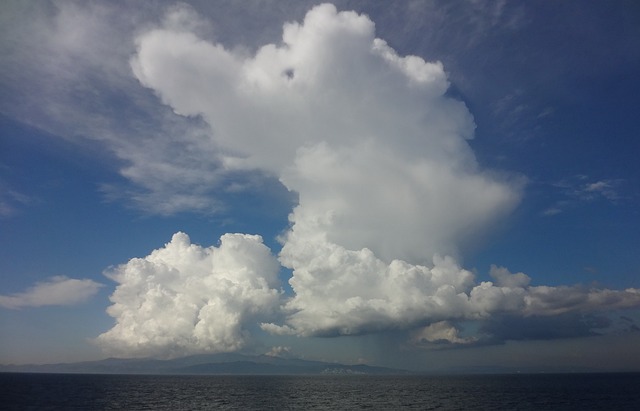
<point x="552" y="211"/>
<point x="440" y="333"/>
<point x="279" y="351"/>
<point x="605" y="188"/>
<point x="368" y="139"/>
<point x="67" y="72"/>
<point x="389" y="193"/>
<point x="58" y="290"/>
<point x="545" y="300"/>
<point x="11" y="200"/>
<point x="184" y="298"/>
<point x="501" y="328"/>
<point x="516" y="328"/>
<point x="504" y="278"/>
<point x="587" y="319"/>
<point x="376" y="151"/>
<point x="343" y="292"/>
<point x="581" y="189"/>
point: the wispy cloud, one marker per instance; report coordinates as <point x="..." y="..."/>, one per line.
<point x="67" y="72"/>
<point x="11" y="200"/>
<point x="59" y="290"/>
<point x="581" y="189"/>
<point x="603" y="188"/>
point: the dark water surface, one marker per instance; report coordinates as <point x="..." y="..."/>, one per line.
<point x="478" y="392"/>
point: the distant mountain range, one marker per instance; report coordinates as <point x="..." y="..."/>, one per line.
<point x="206" y="364"/>
<point x="239" y="364"/>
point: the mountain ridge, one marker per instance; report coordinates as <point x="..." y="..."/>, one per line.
<point x="206" y="364"/>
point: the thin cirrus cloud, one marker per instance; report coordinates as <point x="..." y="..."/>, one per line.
<point x="378" y="155"/>
<point x="58" y="290"/>
<point x="11" y="200"/>
<point x="581" y="189"/>
<point x="66" y="69"/>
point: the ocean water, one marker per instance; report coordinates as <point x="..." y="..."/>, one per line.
<point x="477" y="392"/>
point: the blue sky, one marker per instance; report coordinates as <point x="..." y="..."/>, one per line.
<point x="476" y="204"/>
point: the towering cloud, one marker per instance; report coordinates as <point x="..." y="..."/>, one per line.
<point x="368" y="139"/>
<point x="389" y="189"/>
<point x="184" y="298"/>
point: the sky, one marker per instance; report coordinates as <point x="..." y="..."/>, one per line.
<point x="427" y="185"/>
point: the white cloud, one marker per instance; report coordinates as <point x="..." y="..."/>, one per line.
<point x="605" y="188"/>
<point x="367" y="195"/>
<point x="359" y="132"/>
<point x="504" y="278"/>
<point x="369" y="140"/>
<point x="330" y="81"/>
<point x="58" y="290"/>
<point x="279" y="351"/>
<point x="343" y="292"/>
<point x="184" y="298"/>
<point x="438" y="333"/>
<point x="378" y="155"/>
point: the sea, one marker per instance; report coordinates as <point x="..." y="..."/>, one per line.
<point x="23" y="391"/>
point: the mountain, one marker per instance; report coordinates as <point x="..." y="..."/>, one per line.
<point x="206" y="364"/>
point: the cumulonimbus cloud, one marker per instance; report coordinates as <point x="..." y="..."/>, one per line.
<point x="58" y="290"/>
<point x="369" y="140"/>
<point x="388" y="187"/>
